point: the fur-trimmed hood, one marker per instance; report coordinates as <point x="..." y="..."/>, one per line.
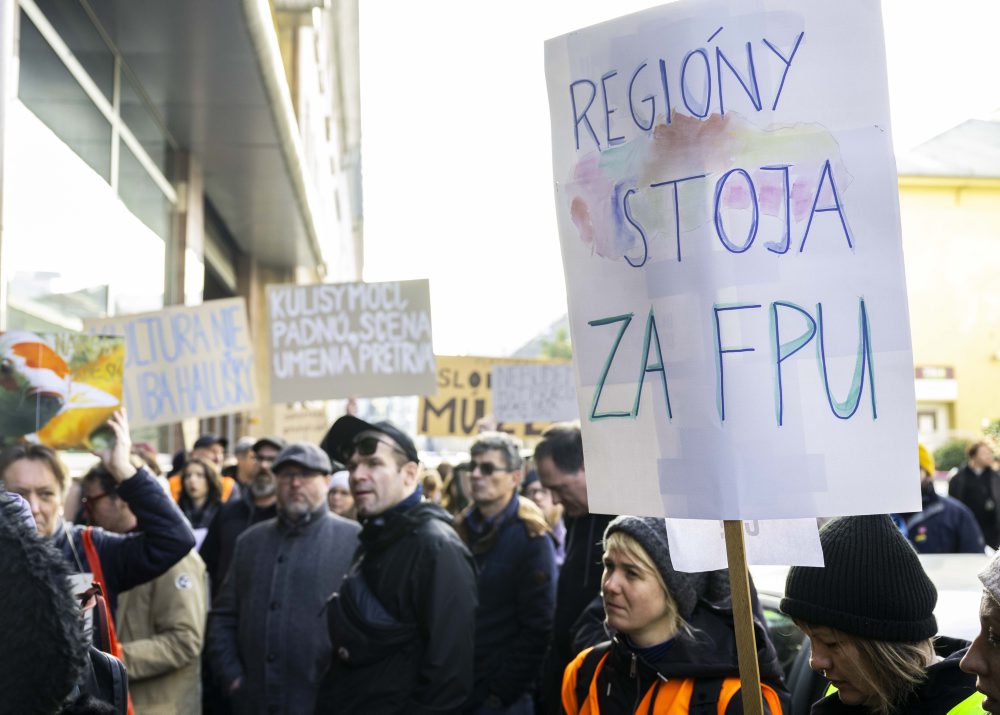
<point x="44" y="649"/>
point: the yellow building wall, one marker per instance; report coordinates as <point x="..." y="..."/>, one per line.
<point x="951" y="246"/>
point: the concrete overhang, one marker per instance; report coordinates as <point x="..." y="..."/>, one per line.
<point x="213" y="72"/>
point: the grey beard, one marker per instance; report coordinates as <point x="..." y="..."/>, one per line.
<point x="263" y="486"/>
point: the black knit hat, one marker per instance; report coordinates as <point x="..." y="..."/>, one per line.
<point x="686" y="588"/>
<point x="872" y="586"/>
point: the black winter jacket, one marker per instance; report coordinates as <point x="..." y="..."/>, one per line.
<point x="234" y="517"/>
<point x="579" y="584"/>
<point x="402" y="624"/>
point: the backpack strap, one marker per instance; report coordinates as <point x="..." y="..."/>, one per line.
<point x="587" y="669"/>
<point x="104" y="617"/>
<point x="705" y="696"/>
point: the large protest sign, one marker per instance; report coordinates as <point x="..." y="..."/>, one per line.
<point x="727" y="207"/>
<point x="350" y="339"/>
<point x="534" y="393"/>
<point x="464" y="400"/>
<point x="59" y="389"/>
<point x="185" y="361"/>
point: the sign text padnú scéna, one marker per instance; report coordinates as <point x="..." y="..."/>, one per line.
<point x="350" y="339"/>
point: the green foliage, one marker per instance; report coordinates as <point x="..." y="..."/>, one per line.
<point x="558" y="348"/>
<point x="992" y="431"/>
<point x="951" y="454"/>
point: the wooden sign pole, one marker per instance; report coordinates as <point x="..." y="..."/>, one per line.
<point x="746" y="642"/>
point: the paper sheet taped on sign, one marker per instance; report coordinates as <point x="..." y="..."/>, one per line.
<point x="700" y="545"/>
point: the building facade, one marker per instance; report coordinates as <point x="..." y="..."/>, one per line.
<point x="166" y="153"/>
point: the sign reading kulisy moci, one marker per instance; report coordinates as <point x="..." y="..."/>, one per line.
<point x="334" y="340"/>
<point x="185" y="361"/>
<point x="727" y="206"/>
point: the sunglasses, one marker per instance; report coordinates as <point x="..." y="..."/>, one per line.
<point x="487" y="469"/>
<point x="366" y="446"/>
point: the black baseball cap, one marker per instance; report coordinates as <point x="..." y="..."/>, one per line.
<point x="208" y="440"/>
<point x="277" y="442"/>
<point x="342" y="435"/>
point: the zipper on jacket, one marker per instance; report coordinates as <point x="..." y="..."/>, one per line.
<point x="638" y="688"/>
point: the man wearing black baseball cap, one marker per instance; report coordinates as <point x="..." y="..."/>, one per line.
<point x="408" y="605"/>
<point x="211" y="448"/>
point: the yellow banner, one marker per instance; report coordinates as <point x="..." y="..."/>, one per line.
<point x="463" y="400"/>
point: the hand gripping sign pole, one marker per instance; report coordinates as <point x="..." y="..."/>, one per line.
<point x="746" y="643"/>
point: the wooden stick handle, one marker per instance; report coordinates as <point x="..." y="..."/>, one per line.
<point x="746" y="642"/>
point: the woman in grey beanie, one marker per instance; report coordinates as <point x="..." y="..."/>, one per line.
<point x="869" y="616"/>
<point x="673" y="650"/>
<point x="983" y="657"/>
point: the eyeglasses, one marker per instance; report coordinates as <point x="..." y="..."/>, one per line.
<point x="486" y="468"/>
<point x="88" y="502"/>
<point x="297" y="474"/>
<point x="366" y="446"/>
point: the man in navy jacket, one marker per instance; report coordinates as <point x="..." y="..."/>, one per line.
<point x="945" y="525"/>
<point x="508" y="537"/>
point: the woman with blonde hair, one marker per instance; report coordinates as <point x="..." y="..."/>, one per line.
<point x="673" y="649"/>
<point x="869" y="616"/>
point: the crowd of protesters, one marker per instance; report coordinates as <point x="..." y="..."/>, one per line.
<point x="345" y="578"/>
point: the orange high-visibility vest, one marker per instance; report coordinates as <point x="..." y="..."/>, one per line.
<point x="175" y="487"/>
<point x="664" y="697"/>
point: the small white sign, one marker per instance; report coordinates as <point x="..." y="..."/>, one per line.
<point x="700" y="545"/>
<point x="534" y="393"/>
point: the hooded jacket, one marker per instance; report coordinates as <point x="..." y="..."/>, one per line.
<point x="402" y="624"/>
<point x="45" y="651"/>
<point x="707" y="652"/>
<point x="946" y="691"/>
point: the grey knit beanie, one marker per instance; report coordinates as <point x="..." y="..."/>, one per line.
<point x="686" y="588"/>
<point x="872" y="586"/>
<point x="990" y="576"/>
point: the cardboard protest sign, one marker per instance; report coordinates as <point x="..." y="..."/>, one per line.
<point x="185" y="361"/>
<point x="534" y="393"/>
<point x="464" y="399"/>
<point x="727" y="207"/>
<point x="59" y="389"/>
<point x="350" y="339"/>
<point x="301" y="424"/>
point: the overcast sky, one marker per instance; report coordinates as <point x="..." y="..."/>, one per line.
<point x="456" y="147"/>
